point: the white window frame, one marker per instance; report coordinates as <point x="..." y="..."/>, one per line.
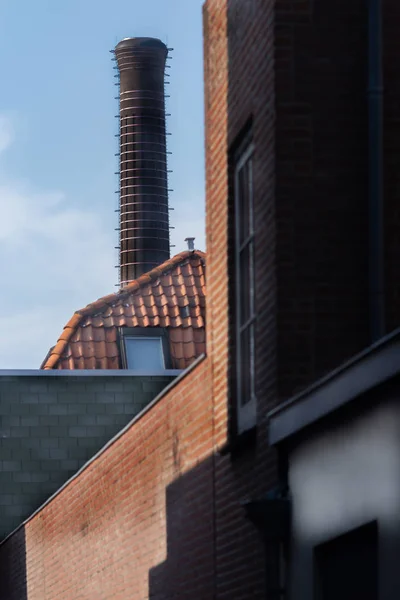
<point x="246" y="413"/>
<point x="127" y="333"/>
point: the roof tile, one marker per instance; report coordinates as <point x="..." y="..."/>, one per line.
<point x="112" y="350"/>
<point x="79" y="362"/>
<point x="189" y="350"/>
<point x="90" y="363"/>
<point x="86" y="334"/>
<point x="99" y="334"/>
<point x="114" y="363"/>
<point x="110" y="334"/>
<point x="155" y="299"/>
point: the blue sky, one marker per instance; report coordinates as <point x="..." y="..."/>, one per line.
<point x="57" y="158"/>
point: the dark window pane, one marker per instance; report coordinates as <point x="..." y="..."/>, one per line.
<point x="245" y="284"/>
<point x="243" y="203"/>
<point x="246" y="365"/>
<point x="347" y="567"/>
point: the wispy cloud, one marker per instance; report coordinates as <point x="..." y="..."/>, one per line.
<point x="53" y="260"/>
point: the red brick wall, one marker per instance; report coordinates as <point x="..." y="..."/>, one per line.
<point x="137" y="521"/>
<point x="238" y="83"/>
<point x="215" y="74"/>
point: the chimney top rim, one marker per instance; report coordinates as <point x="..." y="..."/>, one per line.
<point x="141" y="42"/>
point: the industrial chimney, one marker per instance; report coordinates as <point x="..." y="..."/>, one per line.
<point x="143" y="188"/>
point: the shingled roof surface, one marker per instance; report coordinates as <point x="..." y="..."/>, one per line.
<point x="171" y="295"/>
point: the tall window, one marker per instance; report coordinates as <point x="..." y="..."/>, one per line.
<point x="245" y="305"/>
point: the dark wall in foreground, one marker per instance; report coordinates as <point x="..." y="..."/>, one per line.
<point x="321" y="83"/>
<point x="51" y="425"/>
<point x="344" y="475"/>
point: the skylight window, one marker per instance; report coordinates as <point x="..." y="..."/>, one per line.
<point x="144" y="354"/>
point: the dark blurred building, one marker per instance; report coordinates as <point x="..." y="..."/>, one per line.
<point x="302" y="107"/>
<point x="340" y="440"/>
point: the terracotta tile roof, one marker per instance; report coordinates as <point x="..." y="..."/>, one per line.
<point x="171" y="295"/>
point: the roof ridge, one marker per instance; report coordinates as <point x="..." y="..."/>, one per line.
<point x="143" y="279"/>
<point x="79" y="315"/>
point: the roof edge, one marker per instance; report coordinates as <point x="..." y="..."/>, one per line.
<point x="53" y="356"/>
<point x="144" y="279"/>
<point x="367" y="370"/>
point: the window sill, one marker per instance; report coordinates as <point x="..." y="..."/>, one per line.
<point x="240" y="443"/>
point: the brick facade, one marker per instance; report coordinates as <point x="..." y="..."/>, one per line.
<point x="321" y="200"/>
<point x="300" y="71"/>
<point x="52" y="424"/>
<point x="137" y="522"/>
<point x="321" y="187"/>
<point x="160" y="513"/>
<point x="239" y="84"/>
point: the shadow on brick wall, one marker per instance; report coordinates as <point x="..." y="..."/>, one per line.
<point x="188" y="571"/>
<point x="13" y="584"/>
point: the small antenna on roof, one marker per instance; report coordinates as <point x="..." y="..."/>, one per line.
<point x="190" y="242"/>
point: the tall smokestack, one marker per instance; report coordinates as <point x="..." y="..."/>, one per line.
<point x="144" y="218"/>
